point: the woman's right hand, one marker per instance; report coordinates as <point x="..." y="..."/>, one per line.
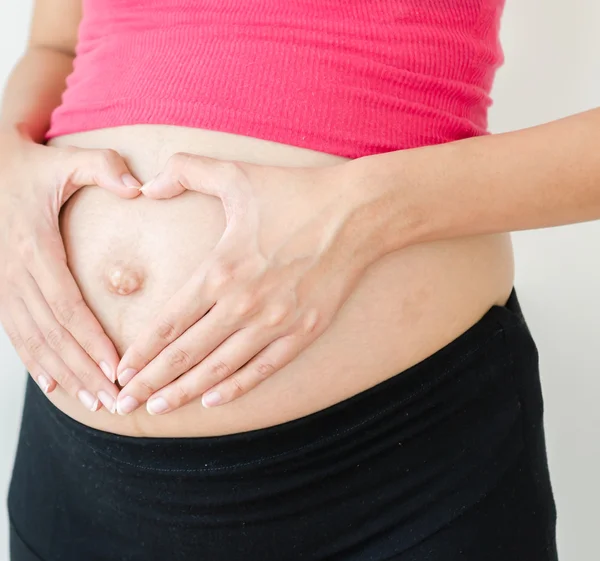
<point x="41" y="307"/>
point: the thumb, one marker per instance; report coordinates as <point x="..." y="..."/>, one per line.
<point x="163" y="186"/>
<point x="105" y="168"/>
<point x="190" y="172"/>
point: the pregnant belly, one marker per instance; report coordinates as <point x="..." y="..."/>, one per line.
<point x="130" y="256"/>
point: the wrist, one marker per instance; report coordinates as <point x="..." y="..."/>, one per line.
<point x="11" y="132"/>
<point x="385" y="215"/>
<point x="16" y="145"/>
<point x="14" y="134"/>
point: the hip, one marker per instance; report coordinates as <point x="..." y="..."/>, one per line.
<point x="446" y="461"/>
<point x="407" y="306"/>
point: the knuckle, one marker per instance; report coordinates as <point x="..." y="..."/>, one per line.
<point x="86" y="376"/>
<point x="221" y="274"/>
<point x="278" y="314"/>
<point x="264" y="369"/>
<point x="147" y="387"/>
<point x="87" y="345"/>
<point x="67" y="381"/>
<point x="238" y="387"/>
<point x="178" y="358"/>
<point x="177" y="162"/>
<point x="219" y="370"/>
<point x="182" y="395"/>
<point x="66" y="310"/>
<point x="108" y="157"/>
<point x="55" y="337"/>
<point x="64" y="380"/>
<point x="137" y="358"/>
<point x="312" y="322"/>
<point x="14" y="337"/>
<point x="246" y="306"/>
<point x="166" y="331"/>
<point x="34" y="344"/>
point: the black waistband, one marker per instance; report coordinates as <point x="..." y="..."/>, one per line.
<point x="300" y="436"/>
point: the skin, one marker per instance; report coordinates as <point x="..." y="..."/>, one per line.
<point x="260" y="302"/>
<point x="41" y="307"/>
<point x="249" y="310"/>
<point x="406" y="307"/>
<point x="221" y="332"/>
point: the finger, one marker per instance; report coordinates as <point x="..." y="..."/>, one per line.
<point x="46" y="383"/>
<point x="58" y="287"/>
<point x="183" y="310"/>
<point x="64" y="345"/>
<point x="105" y="168"/>
<point x="176" y="359"/>
<point x="194" y="173"/>
<point x="42" y="378"/>
<point x="48" y="360"/>
<point x="274" y="357"/>
<point x="236" y="351"/>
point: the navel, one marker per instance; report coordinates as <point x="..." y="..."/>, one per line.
<point x="124" y="279"/>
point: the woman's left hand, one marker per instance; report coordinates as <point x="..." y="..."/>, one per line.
<point x="284" y="266"/>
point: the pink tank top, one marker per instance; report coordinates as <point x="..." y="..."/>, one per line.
<point x="347" y="77"/>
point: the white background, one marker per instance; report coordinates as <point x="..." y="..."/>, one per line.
<point x="552" y="69"/>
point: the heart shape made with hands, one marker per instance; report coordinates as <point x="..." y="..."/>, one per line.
<point x="273" y="283"/>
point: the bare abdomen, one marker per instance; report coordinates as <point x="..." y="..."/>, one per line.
<point x="130" y="256"/>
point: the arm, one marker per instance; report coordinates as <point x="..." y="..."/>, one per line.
<point x="34" y="87"/>
<point x="233" y="324"/>
<point x="41" y="307"/>
<point x="543" y="176"/>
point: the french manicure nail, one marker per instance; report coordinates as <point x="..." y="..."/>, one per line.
<point x="126" y="405"/>
<point x="108" y="371"/>
<point x="130" y="181"/>
<point x="108" y="401"/>
<point x="43" y="382"/>
<point x="126" y="376"/>
<point x="88" y="400"/>
<point x="148" y="183"/>
<point x="213" y="398"/>
<point x="157" y="406"/>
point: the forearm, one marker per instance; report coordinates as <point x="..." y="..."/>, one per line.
<point x="33" y="90"/>
<point x="543" y="176"/>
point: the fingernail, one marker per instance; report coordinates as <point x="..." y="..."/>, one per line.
<point x="148" y="184"/>
<point x="44" y="383"/>
<point x="108" y="401"/>
<point x="126" y="405"/>
<point x="108" y="371"/>
<point x="88" y="400"/>
<point x="157" y="406"/>
<point x="130" y="181"/>
<point x="213" y="398"/>
<point x="126" y="376"/>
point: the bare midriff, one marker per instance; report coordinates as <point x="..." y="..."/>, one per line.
<point x="130" y="256"/>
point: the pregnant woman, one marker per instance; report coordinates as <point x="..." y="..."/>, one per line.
<point x="256" y="258"/>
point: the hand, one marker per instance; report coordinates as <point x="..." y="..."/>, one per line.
<point x="272" y="285"/>
<point x="41" y="308"/>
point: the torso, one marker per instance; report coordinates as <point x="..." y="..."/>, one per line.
<point x="407" y="306"/>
